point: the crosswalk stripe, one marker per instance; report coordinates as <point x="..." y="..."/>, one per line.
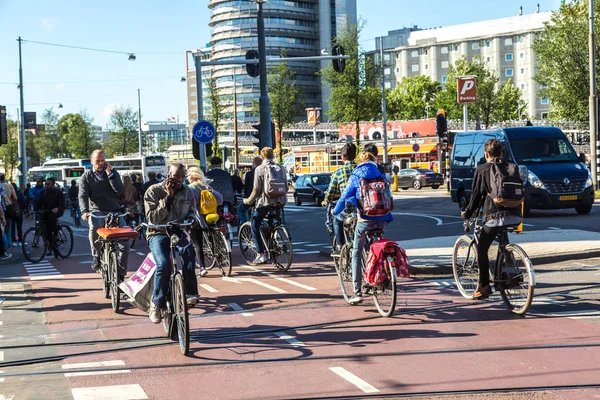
<point x="98" y="364"/>
<point x="353" y="379"/>
<point x="208" y="288"/>
<point x="47" y="277"/>
<point x="117" y="392"/>
<point x="237" y="307"/>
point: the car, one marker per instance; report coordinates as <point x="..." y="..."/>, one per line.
<point x="418" y="178"/>
<point x="311" y="187"/>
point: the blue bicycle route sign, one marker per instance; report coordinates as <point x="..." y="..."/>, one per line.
<point x="203" y="131"/>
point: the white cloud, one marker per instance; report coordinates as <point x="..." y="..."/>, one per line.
<point x="106" y="111"/>
<point x="48" y="23"/>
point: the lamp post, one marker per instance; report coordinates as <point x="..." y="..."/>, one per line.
<point x="23" y="147"/>
<point x="264" y="103"/>
<point x="383" y="104"/>
<point x="593" y="110"/>
<point x="235" y="125"/>
<point x="139" y="124"/>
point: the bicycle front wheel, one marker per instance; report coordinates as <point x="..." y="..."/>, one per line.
<point x="246" y="242"/>
<point x="34" y="245"/>
<point x="181" y="315"/>
<point x="64" y="241"/>
<point x="282" y="252"/>
<point x="345" y="271"/>
<point x="465" y="267"/>
<point x="113" y="277"/>
<point x="517" y="280"/>
<point x="222" y="252"/>
<point x="385" y="294"/>
<point x="207" y="248"/>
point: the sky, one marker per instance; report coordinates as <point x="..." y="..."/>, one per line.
<point x="159" y="33"/>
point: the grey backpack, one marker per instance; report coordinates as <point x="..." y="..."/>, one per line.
<point x="275" y="181"/>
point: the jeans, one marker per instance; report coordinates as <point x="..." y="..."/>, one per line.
<point x="8" y="232"/>
<point x="243" y="212"/>
<point x="338" y="228"/>
<point x="486" y="238"/>
<point x="259" y="215"/>
<point x="198" y="241"/>
<point x="360" y="236"/>
<point x="160" y="248"/>
<point x="96" y="223"/>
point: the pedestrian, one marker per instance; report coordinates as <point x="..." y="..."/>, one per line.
<point x="137" y="185"/>
<point x="221" y="180"/>
<point x="37" y="189"/>
<point x="12" y="209"/>
<point x="3" y="254"/>
<point x="159" y="177"/>
<point x="17" y="227"/>
<point x="151" y="181"/>
<point x="30" y="199"/>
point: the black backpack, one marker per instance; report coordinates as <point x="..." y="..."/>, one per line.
<point x="506" y="185"/>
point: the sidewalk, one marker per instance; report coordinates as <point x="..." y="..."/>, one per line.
<point x="434" y="255"/>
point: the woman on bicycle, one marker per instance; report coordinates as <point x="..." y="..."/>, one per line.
<point x="366" y="169"/>
<point x="129" y="199"/>
<point x="198" y="183"/>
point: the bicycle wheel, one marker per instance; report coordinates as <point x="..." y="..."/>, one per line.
<point x="222" y="252"/>
<point x="385" y="294"/>
<point x="517" y="280"/>
<point x="64" y="241"/>
<point x="282" y="251"/>
<point x="113" y="278"/>
<point x="246" y="243"/>
<point x="210" y="259"/>
<point x="181" y="315"/>
<point x="464" y="266"/>
<point x="34" y="245"/>
<point x="167" y="321"/>
<point x="345" y="271"/>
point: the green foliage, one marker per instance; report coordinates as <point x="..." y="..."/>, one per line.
<point x="77" y="135"/>
<point x="123" y="132"/>
<point x="47" y="142"/>
<point x="506" y="98"/>
<point x="561" y="50"/>
<point x="217" y="109"/>
<point x="409" y="99"/>
<point x="9" y="152"/>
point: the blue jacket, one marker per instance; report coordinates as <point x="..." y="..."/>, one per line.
<point x="366" y="170"/>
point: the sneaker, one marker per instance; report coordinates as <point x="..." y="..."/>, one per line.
<point x="203" y="272"/>
<point x="260" y="259"/>
<point x="191" y="299"/>
<point x="5" y="257"/>
<point x="96" y="264"/>
<point x="356" y="299"/>
<point x="155" y="314"/>
<point x="16" y="244"/>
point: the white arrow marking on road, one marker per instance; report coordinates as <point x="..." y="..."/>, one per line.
<point x="355" y="380"/>
<point x="237" y="307"/>
<point x="290" y="339"/>
<point x="208" y="288"/>
<point x="291" y="282"/>
<point x="439" y="221"/>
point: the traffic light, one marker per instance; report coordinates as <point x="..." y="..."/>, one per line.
<point x="225" y="154"/>
<point x="273" y="137"/>
<point x="257" y="136"/>
<point x="441" y="126"/>
<point x="252" y="69"/>
<point x="3" y="129"/>
<point x="338" y="65"/>
<point x="196" y="149"/>
<point x="208" y="150"/>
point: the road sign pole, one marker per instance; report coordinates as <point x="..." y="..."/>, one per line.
<point x="264" y="102"/>
<point x="200" y="106"/>
<point x="465" y="117"/>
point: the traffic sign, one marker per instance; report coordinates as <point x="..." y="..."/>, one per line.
<point x="467" y="89"/>
<point x="416" y="147"/>
<point x="204" y="132"/>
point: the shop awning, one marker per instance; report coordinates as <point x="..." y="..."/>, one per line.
<point x="408" y="149"/>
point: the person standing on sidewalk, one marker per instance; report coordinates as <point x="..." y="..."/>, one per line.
<point x="12" y="209"/>
<point x="3" y="254"/>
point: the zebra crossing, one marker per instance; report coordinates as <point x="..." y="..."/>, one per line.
<point x="41" y="271"/>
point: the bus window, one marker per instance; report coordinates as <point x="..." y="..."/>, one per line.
<point x="155" y="161"/>
<point x="74" y="172"/>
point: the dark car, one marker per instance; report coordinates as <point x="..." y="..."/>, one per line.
<point x="418" y="178"/>
<point x="311" y="187"/>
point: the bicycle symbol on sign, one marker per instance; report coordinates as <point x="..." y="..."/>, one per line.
<point x="206" y="131"/>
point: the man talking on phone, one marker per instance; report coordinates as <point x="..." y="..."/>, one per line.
<point x="99" y="191"/>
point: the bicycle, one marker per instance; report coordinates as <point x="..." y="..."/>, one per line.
<point x="35" y="242"/>
<point x="133" y="221"/>
<point x="513" y="275"/>
<point x="384" y="295"/>
<point x="275" y="237"/>
<point x="111" y="239"/>
<point x="73" y="208"/>
<point x="176" y="312"/>
<point x="215" y="246"/>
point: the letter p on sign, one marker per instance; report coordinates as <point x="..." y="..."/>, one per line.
<point x="467" y="90"/>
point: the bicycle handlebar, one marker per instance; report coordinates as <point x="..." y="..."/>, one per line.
<point x="169" y="225"/>
<point x="114" y="215"/>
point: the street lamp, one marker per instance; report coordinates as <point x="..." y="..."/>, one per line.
<point x="131" y="57"/>
<point x="264" y="103"/>
<point x="182" y="79"/>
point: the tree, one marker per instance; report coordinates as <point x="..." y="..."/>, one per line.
<point x="217" y="109"/>
<point x="77" y="134"/>
<point x="285" y="97"/>
<point x="509" y="104"/>
<point x="349" y="100"/>
<point x="48" y="142"/>
<point x="561" y="50"/>
<point x="9" y="152"/>
<point x="410" y="98"/>
<point x="123" y="135"/>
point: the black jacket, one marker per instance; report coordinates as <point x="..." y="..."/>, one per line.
<point x="481" y="189"/>
<point x="249" y="183"/>
<point x="50" y="199"/>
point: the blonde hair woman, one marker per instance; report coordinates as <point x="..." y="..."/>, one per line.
<point x="365" y="157"/>
<point x="129" y="196"/>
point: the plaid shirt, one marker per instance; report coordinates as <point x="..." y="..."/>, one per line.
<point x="339" y="179"/>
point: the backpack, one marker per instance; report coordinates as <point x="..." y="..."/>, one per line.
<point x="375" y="198"/>
<point x="506" y="185"/>
<point x="275" y="181"/>
<point x="208" y="202"/>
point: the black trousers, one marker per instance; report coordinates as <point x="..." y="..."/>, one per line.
<point x="486" y="238"/>
<point x="198" y="241"/>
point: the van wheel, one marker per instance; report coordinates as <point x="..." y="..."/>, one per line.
<point x="585" y="209"/>
<point x="297" y="201"/>
<point x="417" y="184"/>
<point x="435" y="186"/>
<point x="463" y="202"/>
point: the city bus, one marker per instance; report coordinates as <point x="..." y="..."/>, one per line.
<point x="69" y="162"/>
<point x="62" y="174"/>
<point x="127" y="165"/>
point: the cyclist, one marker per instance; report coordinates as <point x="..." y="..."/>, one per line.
<point x="366" y="169"/>
<point x="170" y="201"/>
<point x="339" y="180"/>
<point x="248" y="187"/>
<point x="221" y="180"/>
<point x="52" y="206"/>
<point x="263" y="202"/>
<point x="372" y="148"/>
<point x="99" y="191"/>
<point x="74" y="198"/>
<point x="151" y="181"/>
<point x="481" y="189"/>
<point x="137" y="185"/>
<point x="198" y="183"/>
<point x="129" y="199"/>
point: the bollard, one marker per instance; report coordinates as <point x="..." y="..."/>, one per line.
<point x="395" y="186"/>
<point x="519" y="227"/>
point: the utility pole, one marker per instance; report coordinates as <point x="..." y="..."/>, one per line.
<point x="264" y="103"/>
<point x="199" y="97"/>
<point x="236" y="146"/>
<point x="593" y="103"/>
<point x="140" y="125"/>
<point x="383" y="104"/>
<point x="23" y="146"/>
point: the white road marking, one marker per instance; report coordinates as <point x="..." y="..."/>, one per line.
<point x="576" y="313"/>
<point x="439" y="221"/>
<point x="44" y="273"/>
<point x="296" y="243"/>
<point x="237" y="307"/>
<point x="355" y="380"/>
<point x="44" y="278"/>
<point x="208" y="288"/>
<point x="100" y="364"/>
<point x="41" y="264"/>
<point x="1" y="323"/>
<point x="118" y="392"/>
<point x="291" y="282"/>
<point x="314" y="244"/>
<point x="290" y="339"/>
<point x="1" y="356"/>
<point x="85" y="262"/>
<point x="553" y="228"/>
<point x="48" y="268"/>
<point x="303" y="252"/>
<point x="443" y="282"/>
<point x="2" y="299"/>
<point x="255" y="281"/>
<point x="234" y="280"/>
<point x="139" y="253"/>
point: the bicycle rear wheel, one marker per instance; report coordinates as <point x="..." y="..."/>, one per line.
<point x="282" y="252"/>
<point x="464" y="266"/>
<point x="246" y="243"/>
<point x="113" y="278"/>
<point x="345" y="271"/>
<point x="385" y="294"/>
<point x="64" y="241"/>
<point x="34" y="245"/>
<point x="207" y="248"/>
<point x="181" y="315"/>
<point x="517" y="279"/>
<point x="222" y="252"/>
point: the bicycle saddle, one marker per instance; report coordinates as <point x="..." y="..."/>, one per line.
<point x="212" y="218"/>
<point x="117" y="233"/>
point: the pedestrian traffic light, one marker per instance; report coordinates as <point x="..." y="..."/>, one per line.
<point x="441" y="126"/>
<point x="257" y="136"/>
<point x="252" y="69"/>
<point x="338" y="65"/>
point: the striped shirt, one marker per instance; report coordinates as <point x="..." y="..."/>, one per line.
<point x="339" y="179"/>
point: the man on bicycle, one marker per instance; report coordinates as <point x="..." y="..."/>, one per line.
<point x="366" y="169"/>
<point x="263" y="202"/>
<point x="51" y="204"/>
<point x="74" y="198"/>
<point x="481" y="189"/>
<point x="339" y="179"/>
<point x="170" y="201"/>
<point x="100" y="189"/>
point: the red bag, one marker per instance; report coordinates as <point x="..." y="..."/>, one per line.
<point x="375" y="274"/>
<point x="375" y="198"/>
